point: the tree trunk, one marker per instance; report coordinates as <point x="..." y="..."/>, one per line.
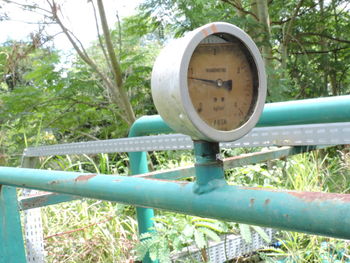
<point x="261" y="11"/>
<point x="324" y="57"/>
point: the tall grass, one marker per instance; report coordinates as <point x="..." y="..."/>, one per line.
<point x="89" y="230"/>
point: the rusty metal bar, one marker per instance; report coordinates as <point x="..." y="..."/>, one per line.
<point x="317" y="213"/>
<point x="44" y="199"/>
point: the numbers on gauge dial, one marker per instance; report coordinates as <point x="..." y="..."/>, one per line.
<point x="220" y="83"/>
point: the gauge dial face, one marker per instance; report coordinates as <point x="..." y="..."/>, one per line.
<point x="222" y="84"/>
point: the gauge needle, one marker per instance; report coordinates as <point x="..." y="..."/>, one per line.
<point x="219" y="83"/>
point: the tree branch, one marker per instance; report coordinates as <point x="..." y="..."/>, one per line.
<point x="290" y="24"/>
<point x="83" y="133"/>
<point x="240" y="8"/>
<point x="99" y="35"/>
<point x="115" y="65"/>
<point x="288" y="19"/>
<point x="325" y="36"/>
<point x="29" y="7"/>
<point x="84" y="56"/>
<point x="319" y="52"/>
<point x="119" y="35"/>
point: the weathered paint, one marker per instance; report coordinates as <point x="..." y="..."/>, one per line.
<point x="11" y="239"/>
<point x="205" y="32"/>
<point x="44" y="199"/>
<point x="171" y="174"/>
<point x="317" y="197"/>
<point x="214" y="28"/>
<point x="84" y="178"/>
<point x="326" y="214"/>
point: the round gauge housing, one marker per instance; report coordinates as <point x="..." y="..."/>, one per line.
<point x="210" y="84"/>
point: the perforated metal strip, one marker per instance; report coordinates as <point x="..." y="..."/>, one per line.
<point x="311" y="134"/>
<point x="32" y="224"/>
<point x="233" y="247"/>
<point x="33" y="232"/>
<point x="295" y="135"/>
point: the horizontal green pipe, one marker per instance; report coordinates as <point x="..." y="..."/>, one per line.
<point x="320" y="110"/>
<point x="316" y="213"/>
<point x="46" y="199"/>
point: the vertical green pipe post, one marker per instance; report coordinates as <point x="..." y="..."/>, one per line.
<point x="209" y="167"/>
<point x="138" y="164"/>
<point x="11" y="239"/>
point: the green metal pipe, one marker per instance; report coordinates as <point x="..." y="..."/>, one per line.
<point x="209" y="168"/>
<point x="316" y="213"/>
<point x="46" y="199"/>
<point x="148" y="125"/>
<point x="308" y="111"/>
<point x="320" y="110"/>
<point x="138" y="164"/>
<point x="11" y="238"/>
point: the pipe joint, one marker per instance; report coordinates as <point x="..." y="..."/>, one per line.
<point x="209" y="167"/>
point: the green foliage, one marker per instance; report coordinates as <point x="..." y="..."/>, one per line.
<point x="45" y="103"/>
<point x="174" y="232"/>
<point x="245" y="232"/>
<point x="175" y="17"/>
<point x="155" y="246"/>
<point x="297" y="247"/>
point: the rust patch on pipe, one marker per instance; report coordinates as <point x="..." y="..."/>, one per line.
<point x="262" y="189"/>
<point x="54" y="182"/>
<point x="155" y="173"/>
<point x="306" y="196"/>
<point x="181" y="183"/>
<point x="251" y="202"/>
<point x="267" y="201"/>
<point x="315" y="196"/>
<point x="84" y="178"/>
<point x="242" y="156"/>
<point x="214" y="28"/>
<point x="79" y="179"/>
<point x="36" y="202"/>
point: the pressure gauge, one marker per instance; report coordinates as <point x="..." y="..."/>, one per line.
<point x="210" y="84"/>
